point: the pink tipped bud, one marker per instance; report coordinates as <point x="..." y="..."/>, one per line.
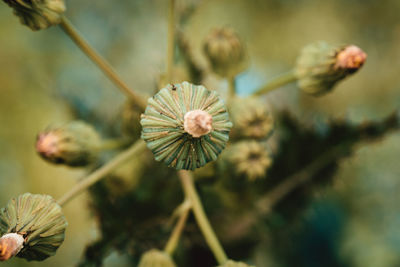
<point x="351" y="57"/>
<point x="197" y="123"/>
<point x="10" y="245"/>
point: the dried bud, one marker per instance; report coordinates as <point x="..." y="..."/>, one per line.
<point x="156" y="258"/>
<point x="225" y="52"/>
<point x="186" y="143"/>
<point x="38" y="14"/>
<point x="10" y="245"/>
<point x="39" y="220"/>
<point x="320" y="66"/>
<point x="74" y="144"/>
<point x="251" y="118"/>
<point x="250" y="159"/>
<point x="231" y="263"/>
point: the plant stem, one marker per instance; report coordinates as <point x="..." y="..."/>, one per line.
<point x="171" y="40"/>
<point x="232" y="88"/>
<point x="201" y="218"/>
<point x="111" y="144"/>
<point x="176" y="233"/>
<point x="276" y="83"/>
<point x="96" y="176"/>
<point x="70" y="30"/>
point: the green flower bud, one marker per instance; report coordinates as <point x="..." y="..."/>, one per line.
<point x="251" y="118"/>
<point x="74" y="144"/>
<point x="250" y="159"/>
<point x="39" y="220"/>
<point x="186" y="126"/>
<point x="156" y="258"/>
<point x="38" y="14"/>
<point x="320" y="66"/>
<point x="225" y="52"/>
<point x="231" y="263"/>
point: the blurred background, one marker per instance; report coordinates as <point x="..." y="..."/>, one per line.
<point x="44" y="79"/>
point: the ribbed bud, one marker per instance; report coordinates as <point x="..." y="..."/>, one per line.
<point x="231" y="263"/>
<point x="251" y="118"/>
<point x="74" y="144"/>
<point x="250" y="159"/>
<point x="225" y="51"/>
<point x="10" y="245"/>
<point x="156" y="258"/>
<point x="186" y="126"/>
<point x="320" y="66"/>
<point x="38" y="14"/>
<point x="39" y="220"/>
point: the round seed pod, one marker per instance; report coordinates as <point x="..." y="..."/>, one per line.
<point x="186" y="126"/>
<point x="251" y="118"/>
<point x="231" y="263"/>
<point x="156" y="258"/>
<point x="74" y="144"/>
<point x="250" y="159"/>
<point x="320" y="66"/>
<point x="39" y="219"/>
<point x="225" y="51"/>
<point x="38" y="14"/>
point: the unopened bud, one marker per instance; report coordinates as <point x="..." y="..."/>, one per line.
<point x="156" y="258"/>
<point x="10" y="245"/>
<point x="231" y="263"/>
<point x="38" y="14"/>
<point x="33" y="227"/>
<point x="225" y="51"/>
<point x="197" y="123"/>
<point x="251" y="118"/>
<point x="74" y="144"/>
<point x="320" y="66"/>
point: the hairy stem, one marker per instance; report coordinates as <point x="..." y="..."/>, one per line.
<point x="70" y="30"/>
<point x="111" y="144"/>
<point x="171" y="39"/>
<point x="97" y="175"/>
<point x="232" y="88"/>
<point x="276" y="83"/>
<point x="180" y="225"/>
<point x="201" y="218"/>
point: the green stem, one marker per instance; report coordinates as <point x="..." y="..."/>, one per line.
<point x="232" y="88"/>
<point x="97" y="175"/>
<point x="70" y="30"/>
<point x="111" y="144"/>
<point x="276" y="83"/>
<point x="201" y="218"/>
<point x="176" y="233"/>
<point x="171" y="40"/>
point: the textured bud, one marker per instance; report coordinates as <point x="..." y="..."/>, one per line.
<point x="251" y="118"/>
<point x="320" y="66"/>
<point x="38" y="14"/>
<point x="185" y="143"/>
<point x="231" y="263"/>
<point x="156" y="258"/>
<point x="225" y="52"/>
<point x="250" y="159"/>
<point x="39" y="219"/>
<point x="74" y="144"/>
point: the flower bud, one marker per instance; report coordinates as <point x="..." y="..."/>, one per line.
<point x="156" y="258"/>
<point x="38" y="14"/>
<point x="231" y="263"/>
<point x="250" y="159"/>
<point x="185" y="126"/>
<point x="251" y="118"/>
<point x="225" y="52"/>
<point x="37" y="222"/>
<point x="74" y="144"/>
<point x="320" y="66"/>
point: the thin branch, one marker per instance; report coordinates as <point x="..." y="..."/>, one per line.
<point x="276" y="83"/>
